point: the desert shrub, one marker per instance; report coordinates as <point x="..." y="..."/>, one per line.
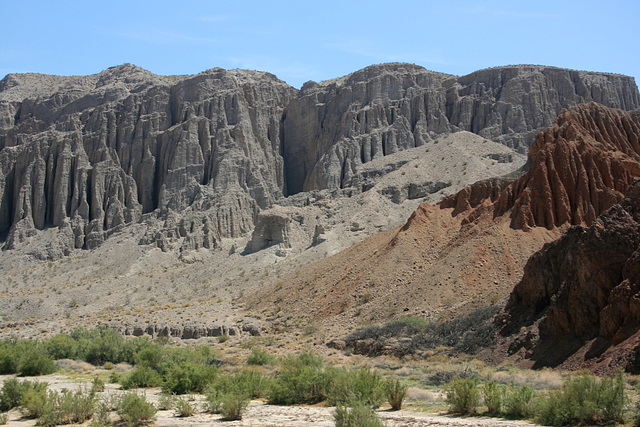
<point x="252" y="383"/>
<point x="519" y="401"/>
<point x="493" y="397"/>
<point x="359" y="415"/>
<point x="8" y="360"/>
<point x="395" y="392"/>
<point x="52" y="408"/>
<point x="13" y="391"/>
<point x="166" y="402"/>
<point x="188" y="377"/>
<point x="260" y="357"/>
<point x="213" y="400"/>
<point x="463" y="395"/>
<point x="34" y="401"/>
<point x="233" y="405"/>
<point x="300" y="380"/>
<point x="150" y="355"/>
<point x="584" y="400"/>
<point x="35" y="362"/>
<point x="75" y="407"/>
<point x="357" y="385"/>
<point x="97" y="384"/>
<point x="141" y="378"/>
<point x="61" y="346"/>
<point x="468" y="334"/>
<point x="4" y="418"/>
<point x="102" y="414"/>
<point x="134" y="409"/>
<point x="184" y="408"/>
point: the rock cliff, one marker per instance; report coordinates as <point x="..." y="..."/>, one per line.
<point x="198" y="157"/>
<point x="333" y="126"/>
<point x="578" y="303"/>
<point x="92" y="153"/>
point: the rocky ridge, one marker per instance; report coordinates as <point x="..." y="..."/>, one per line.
<point x="196" y="158"/>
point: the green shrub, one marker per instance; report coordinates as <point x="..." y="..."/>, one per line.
<point x="104" y="345"/>
<point x="584" y="400"/>
<point x="150" y="355"/>
<point x="141" y="378"/>
<point x="134" y="409"/>
<point x="213" y="400"/>
<point x="188" y="378"/>
<point x="184" y="408"/>
<point x="35" y="362"/>
<point x="4" y="418"/>
<point x="8" y="360"/>
<point x="357" y="385"/>
<point x="463" y="395"/>
<point x="34" y="401"/>
<point x="13" y="391"/>
<point x="301" y="380"/>
<point x="260" y="357"/>
<point x="61" y="346"/>
<point x="359" y="415"/>
<point x="493" y="397"/>
<point x="395" y="392"/>
<point x="233" y="405"/>
<point x="141" y="351"/>
<point x="519" y="401"/>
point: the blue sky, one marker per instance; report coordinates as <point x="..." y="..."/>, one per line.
<point x="304" y="40"/>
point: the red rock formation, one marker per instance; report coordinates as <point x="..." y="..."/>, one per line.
<point x="578" y="302"/>
<point x="579" y="167"/>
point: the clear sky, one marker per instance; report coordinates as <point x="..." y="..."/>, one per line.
<point x="316" y="40"/>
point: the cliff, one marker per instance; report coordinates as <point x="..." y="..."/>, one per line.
<point x="577" y="304"/>
<point x="197" y="157"/>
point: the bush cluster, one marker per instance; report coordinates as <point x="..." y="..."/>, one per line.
<point x="468" y="334"/>
<point x="582" y="400"/>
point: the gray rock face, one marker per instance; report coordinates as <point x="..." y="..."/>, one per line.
<point x="198" y="157"/>
<point x="97" y="152"/>
<point x="333" y="126"/>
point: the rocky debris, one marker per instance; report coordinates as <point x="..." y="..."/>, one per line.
<point x="90" y="154"/>
<point x="578" y="303"/>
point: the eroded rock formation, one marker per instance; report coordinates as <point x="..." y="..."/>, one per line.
<point x="578" y="303"/>
<point x="579" y="167"/>
<point x="206" y="153"/>
<point x="93" y="153"/>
